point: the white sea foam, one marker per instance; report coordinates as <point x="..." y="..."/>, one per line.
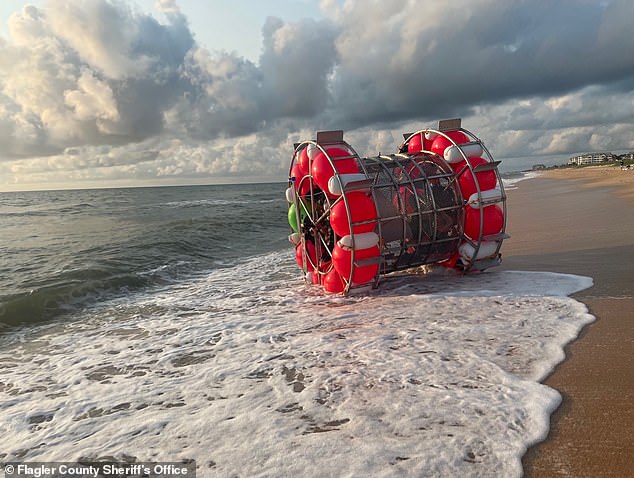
<point x="213" y="202"/>
<point x="511" y="182"/>
<point x="252" y="373"/>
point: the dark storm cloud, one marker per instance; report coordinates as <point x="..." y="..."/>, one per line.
<point x="432" y="60"/>
<point x="296" y="62"/>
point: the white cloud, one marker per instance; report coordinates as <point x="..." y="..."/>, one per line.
<point x="93" y="100"/>
<point x="104" y="90"/>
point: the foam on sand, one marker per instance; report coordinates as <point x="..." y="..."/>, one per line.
<point x="250" y="373"/>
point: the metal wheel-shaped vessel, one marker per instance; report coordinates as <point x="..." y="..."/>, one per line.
<point x="438" y="200"/>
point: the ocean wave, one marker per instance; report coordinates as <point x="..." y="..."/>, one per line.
<point x="218" y="202"/>
<point x="66" y="249"/>
<point x="510" y="180"/>
<point x="65" y="292"/>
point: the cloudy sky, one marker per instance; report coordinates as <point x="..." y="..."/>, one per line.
<point x="122" y="92"/>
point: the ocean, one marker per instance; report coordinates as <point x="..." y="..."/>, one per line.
<point x="172" y="324"/>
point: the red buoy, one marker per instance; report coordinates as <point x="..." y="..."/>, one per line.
<point x="493" y="221"/>
<point x="419" y="142"/>
<point x="341" y="259"/>
<point x="312" y="256"/>
<point x="303" y="160"/>
<point x="361" y="209"/>
<point x="302" y="181"/>
<point x="322" y="170"/>
<point x="441" y="143"/>
<point x="333" y="282"/>
<point x="486" y="179"/>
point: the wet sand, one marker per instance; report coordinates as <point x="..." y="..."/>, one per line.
<point x="582" y="222"/>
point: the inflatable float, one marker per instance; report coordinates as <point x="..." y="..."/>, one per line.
<point x="438" y="200"/>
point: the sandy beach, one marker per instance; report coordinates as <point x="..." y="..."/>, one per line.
<point x="581" y="221"/>
<point x="621" y="181"/>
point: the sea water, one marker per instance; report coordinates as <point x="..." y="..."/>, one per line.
<point x="169" y="324"/>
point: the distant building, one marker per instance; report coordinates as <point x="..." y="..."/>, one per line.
<point x="627" y="156"/>
<point x="592" y="158"/>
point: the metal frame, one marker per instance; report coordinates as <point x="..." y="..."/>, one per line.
<point x="444" y="127"/>
<point x="396" y="173"/>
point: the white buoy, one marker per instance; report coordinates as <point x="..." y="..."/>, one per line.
<point x="430" y="135"/>
<point x="311" y="150"/>
<point x="361" y="241"/>
<point x="290" y="194"/>
<point x="454" y="154"/>
<point x="295" y="238"/>
<point x="487" y="249"/>
<point x="336" y="187"/>
<point x="488" y="197"/>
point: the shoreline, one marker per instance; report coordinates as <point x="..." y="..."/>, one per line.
<point x="581" y="221"/>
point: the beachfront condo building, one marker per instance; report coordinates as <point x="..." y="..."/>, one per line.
<point x="593" y="158"/>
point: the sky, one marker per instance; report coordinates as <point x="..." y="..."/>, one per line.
<point x="109" y="93"/>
